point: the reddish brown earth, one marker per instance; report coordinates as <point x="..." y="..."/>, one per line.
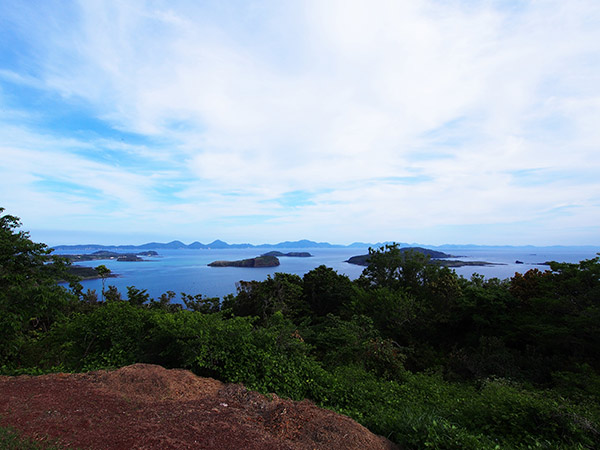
<point x="148" y="407"/>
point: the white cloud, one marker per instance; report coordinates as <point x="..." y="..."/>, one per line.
<point x="327" y="97"/>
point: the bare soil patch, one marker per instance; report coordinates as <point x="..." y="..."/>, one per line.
<point x="148" y="407"/>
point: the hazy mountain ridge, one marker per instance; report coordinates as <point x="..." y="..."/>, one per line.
<point x="303" y="243"/>
<point x="217" y="244"/>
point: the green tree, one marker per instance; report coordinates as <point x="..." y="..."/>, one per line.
<point x="200" y="303"/>
<point x="30" y="298"/>
<point x="436" y="288"/>
<point x="326" y="291"/>
<point x="112" y="294"/>
<point x="391" y="311"/>
<point x="282" y="292"/>
<point x="137" y="296"/>
<point x="393" y="268"/>
<point x="103" y="272"/>
<point x="164" y="303"/>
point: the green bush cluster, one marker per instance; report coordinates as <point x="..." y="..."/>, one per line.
<point x="410" y="350"/>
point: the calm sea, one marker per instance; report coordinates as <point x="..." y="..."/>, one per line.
<point x="187" y="271"/>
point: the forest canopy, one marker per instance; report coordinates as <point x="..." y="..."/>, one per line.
<point x="410" y="349"/>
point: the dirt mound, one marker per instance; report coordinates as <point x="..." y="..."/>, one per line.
<point x="148" y="407"/>
<point x="151" y="383"/>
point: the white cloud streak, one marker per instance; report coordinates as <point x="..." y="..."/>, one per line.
<point x="325" y="97"/>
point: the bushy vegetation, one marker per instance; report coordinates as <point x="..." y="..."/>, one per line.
<point x="411" y="350"/>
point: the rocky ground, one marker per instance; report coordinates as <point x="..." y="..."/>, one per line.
<point x="148" y="407"/>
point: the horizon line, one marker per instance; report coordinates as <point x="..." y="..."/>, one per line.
<point x="355" y="243"/>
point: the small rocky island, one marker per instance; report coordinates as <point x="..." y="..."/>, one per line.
<point x="289" y="254"/>
<point x="435" y="256"/>
<point x="259" y="261"/>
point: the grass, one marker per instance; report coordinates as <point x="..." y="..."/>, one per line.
<point x="11" y="439"/>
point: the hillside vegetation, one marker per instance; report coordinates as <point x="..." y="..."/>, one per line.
<point x="410" y="350"/>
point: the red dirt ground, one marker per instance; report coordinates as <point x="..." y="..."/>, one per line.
<point x="148" y="407"/>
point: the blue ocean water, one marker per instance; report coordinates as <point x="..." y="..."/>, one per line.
<point x="186" y="270"/>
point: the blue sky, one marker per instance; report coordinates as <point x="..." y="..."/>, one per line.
<point x="261" y="121"/>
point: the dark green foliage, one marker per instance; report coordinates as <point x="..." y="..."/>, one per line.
<point x="410" y="350"/>
<point x="30" y="299"/>
<point x="392" y="311"/>
<point x="90" y="296"/>
<point x="103" y="272"/>
<point x="356" y="342"/>
<point x="391" y="268"/>
<point x="410" y="274"/>
<point x="136" y="296"/>
<point x="282" y="292"/>
<point x="200" y="303"/>
<point x="109" y="336"/>
<point x="164" y="302"/>
<point x="112" y="294"/>
<point x="558" y="320"/>
<point x="270" y="359"/>
<point x="426" y="411"/>
<point x="325" y="291"/>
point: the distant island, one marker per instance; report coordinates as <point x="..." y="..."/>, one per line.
<point x="436" y="257"/>
<point x="89" y="273"/>
<point x="289" y="254"/>
<point x="259" y="261"/>
<point x="363" y="260"/>
<point x="269" y="259"/>
<point x="103" y="254"/>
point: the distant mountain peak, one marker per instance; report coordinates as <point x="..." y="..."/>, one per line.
<point x="217" y="243"/>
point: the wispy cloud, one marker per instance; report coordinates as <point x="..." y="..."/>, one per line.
<point x="338" y="120"/>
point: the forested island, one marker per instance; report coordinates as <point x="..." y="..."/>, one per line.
<point x="259" y="261"/>
<point x="269" y="259"/>
<point x="434" y="256"/>
<point x="410" y="349"/>
<point x="288" y="254"/>
<point x="89" y="273"/>
<point x="105" y="254"/>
